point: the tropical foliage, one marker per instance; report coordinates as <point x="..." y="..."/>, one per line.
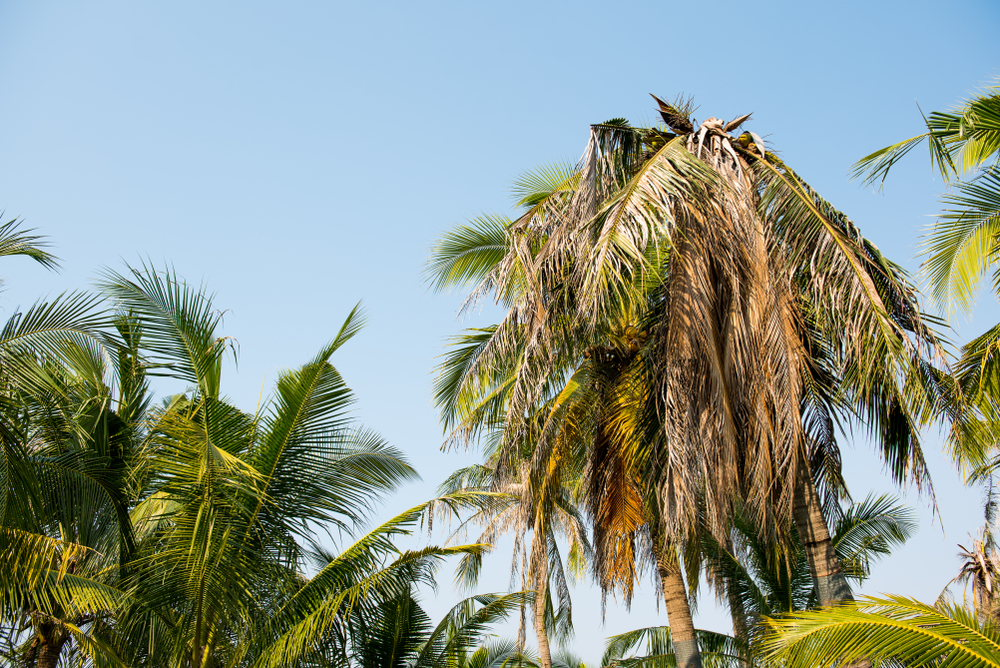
<point x="688" y="329"/>
<point x="189" y="533"/>
<point x="885" y="631"/>
<point x="960" y="249"/>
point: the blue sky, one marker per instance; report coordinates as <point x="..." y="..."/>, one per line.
<point x="300" y="157"/>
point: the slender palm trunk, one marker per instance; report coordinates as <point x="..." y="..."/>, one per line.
<point x="678" y="607"/>
<point x="831" y="585"/>
<point x="540" y="555"/>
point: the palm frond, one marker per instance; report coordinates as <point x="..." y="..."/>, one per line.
<point x="962" y="243"/>
<point x="884" y="629"/>
<point x="16" y="240"/>
<point x="179" y="323"/>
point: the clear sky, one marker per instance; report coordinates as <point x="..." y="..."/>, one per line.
<point x="300" y="157"/>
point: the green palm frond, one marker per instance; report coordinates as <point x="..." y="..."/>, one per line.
<point x="876" y="166"/>
<point x="469" y="253"/>
<point x="962" y="244"/>
<point x="50" y="332"/>
<point x="316" y="467"/>
<point x="27" y="560"/>
<point x="895" y="629"/>
<point x="179" y="324"/>
<point x="474" y="381"/>
<point x="532" y="187"/>
<point x="869" y="530"/>
<point x="15" y="240"/>
<point x="347" y="588"/>
<point x="465" y="627"/>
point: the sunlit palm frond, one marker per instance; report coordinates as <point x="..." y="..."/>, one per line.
<point x="50" y="332"/>
<point x="16" y="240"/>
<point x="464" y="627"/>
<point x="869" y="530"/>
<point x="179" y="324"/>
<point x="891" y="629"/>
<point x="469" y="253"/>
<point x="961" y="245"/>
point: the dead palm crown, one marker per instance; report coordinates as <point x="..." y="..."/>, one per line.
<point x="712" y="315"/>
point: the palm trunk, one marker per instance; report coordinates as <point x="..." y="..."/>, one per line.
<point x="541" y="558"/>
<point x="679" y="618"/>
<point x="45" y="648"/>
<point x="30" y="657"/>
<point x="828" y="578"/>
<point x="48" y="653"/>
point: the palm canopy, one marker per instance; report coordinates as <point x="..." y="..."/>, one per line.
<point x="754" y="297"/>
<point x="232" y="501"/>
<point x="65" y="446"/>
<point x="208" y="548"/>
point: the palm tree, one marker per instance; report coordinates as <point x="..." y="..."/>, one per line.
<point x="894" y="629"/>
<point x="512" y="507"/>
<point x="182" y="534"/>
<point x="754" y="293"/>
<point x="980" y="570"/>
<point x="769" y="579"/>
<point x="962" y="245"/>
<point x="232" y="501"/>
<point x="63" y="455"/>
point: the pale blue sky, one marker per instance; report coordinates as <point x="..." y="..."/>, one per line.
<point x="300" y="157"/>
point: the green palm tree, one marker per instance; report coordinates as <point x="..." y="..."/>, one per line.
<point x="78" y="452"/>
<point x="232" y="501"/>
<point x="64" y="451"/>
<point x="960" y="248"/>
<point x="222" y="510"/>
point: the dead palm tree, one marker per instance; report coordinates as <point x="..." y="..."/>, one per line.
<point x="760" y="301"/>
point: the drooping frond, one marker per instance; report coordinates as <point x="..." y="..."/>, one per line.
<point x="16" y="240"/>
